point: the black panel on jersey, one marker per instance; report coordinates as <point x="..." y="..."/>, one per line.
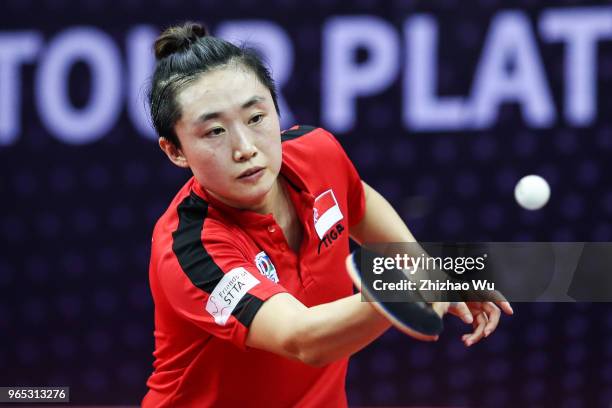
<point x="295" y="133"/>
<point x="195" y="260"/>
<point x="247" y="308"/>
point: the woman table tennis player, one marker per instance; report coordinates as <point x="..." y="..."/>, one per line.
<point x="253" y="305"/>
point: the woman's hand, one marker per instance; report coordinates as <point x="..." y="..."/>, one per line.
<point x="484" y="318"/>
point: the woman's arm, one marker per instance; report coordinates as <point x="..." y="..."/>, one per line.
<point x="381" y="223"/>
<point x="327" y="332"/>
<point x="317" y="335"/>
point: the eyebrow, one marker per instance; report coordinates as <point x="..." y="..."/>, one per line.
<point x="214" y="115"/>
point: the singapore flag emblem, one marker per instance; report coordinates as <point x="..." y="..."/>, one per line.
<point x="326" y="212"/>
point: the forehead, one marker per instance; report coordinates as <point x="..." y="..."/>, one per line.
<point x="220" y="90"/>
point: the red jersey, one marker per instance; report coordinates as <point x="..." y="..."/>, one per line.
<point x="212" y="267"/>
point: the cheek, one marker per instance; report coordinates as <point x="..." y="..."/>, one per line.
<point x="278" y="154"/>
<point x="273" y="151"/>
<point x="218" y="167"/>
<point x="272" y="142"/>
<point x="209" y="167"/>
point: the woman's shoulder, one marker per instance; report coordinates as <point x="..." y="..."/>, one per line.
<point x="188" y="212"/>
<point x="310" y="142"/>
<point x="305" y="133"/>
<point x="194" y="224"/>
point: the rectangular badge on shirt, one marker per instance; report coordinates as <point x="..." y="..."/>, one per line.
<point x="326" y="212"/>
<point x="228" y="292"/>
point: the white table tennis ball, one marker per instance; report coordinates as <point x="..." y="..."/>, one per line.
<point x="532" y="192"/>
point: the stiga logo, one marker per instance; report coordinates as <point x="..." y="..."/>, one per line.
<point x="330" y="237"/>
<point x="266" y="267"/>
<point x="326" y="213"/>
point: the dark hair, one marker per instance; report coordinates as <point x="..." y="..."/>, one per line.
<point x="184" y="52"/>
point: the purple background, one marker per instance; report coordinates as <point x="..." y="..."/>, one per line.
<point x="75" y="225"/>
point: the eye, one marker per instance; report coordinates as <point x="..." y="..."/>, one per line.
<point x="256" y="119"/>
<point x="215" y="132"/>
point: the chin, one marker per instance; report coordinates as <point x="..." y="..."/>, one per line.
<point x="256" y="196"/>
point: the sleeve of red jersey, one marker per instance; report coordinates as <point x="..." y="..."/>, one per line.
<point x="356" y="194"/>
<point x="215" y="286"/>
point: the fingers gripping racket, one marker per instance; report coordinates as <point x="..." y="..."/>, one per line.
<point x="410" y="314"/>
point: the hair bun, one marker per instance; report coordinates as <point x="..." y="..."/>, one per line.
<point x="178" y="38"/>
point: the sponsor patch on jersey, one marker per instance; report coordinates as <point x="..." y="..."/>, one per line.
<point x="228" y="292"/>
<point x="265" y="266"/>
<point x="326" y="212"/>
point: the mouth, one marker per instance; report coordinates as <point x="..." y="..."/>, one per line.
<point x="250" y="172"/>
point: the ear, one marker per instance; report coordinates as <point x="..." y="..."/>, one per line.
<point x="174" y="153"/>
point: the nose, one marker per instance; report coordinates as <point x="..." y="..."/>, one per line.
<point x="244" y="148"/>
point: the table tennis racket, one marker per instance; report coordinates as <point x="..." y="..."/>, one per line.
<point x="408" y="312"/>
